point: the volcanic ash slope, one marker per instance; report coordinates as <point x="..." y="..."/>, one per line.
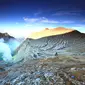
<point x="68" y="44"/>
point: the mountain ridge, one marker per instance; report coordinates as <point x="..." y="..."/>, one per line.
<point x="69" y="44"/>
<point x="6" y="36"/>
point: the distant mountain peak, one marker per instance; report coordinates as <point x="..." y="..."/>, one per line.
<point x="63" y="28"/>
<point x="46" y="28"/>
<point x="6" y="36"/>
<point x="60" y="28"/>
<point x="50" y="32"/>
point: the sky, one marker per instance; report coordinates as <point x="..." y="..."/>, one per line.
<point x="22" y="17"/>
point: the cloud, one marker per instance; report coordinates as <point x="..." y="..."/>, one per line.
<point x="13" y="44"/>
<point x="44" y="20"/>
<point x="37" y="13"/>
<point x="17" y="33"/>
<point x="2" y="40"/>
<point x="67" y="22"/>
<point x="17" y="23"/>
<point x="5" y="51"/>
<point x="60" y="13"/>
<point x="41" y="19"/>
<point x="28" y="25"/>
<point x="30" y="19"/>
<point x="7" y="48"/>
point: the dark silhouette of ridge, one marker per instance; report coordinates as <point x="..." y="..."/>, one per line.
<point x="6" y="36"/>
<point x="72" y="33"/>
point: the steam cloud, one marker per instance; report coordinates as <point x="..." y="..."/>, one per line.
<point x="6" y="49"/>
<point x="13" y="44"/>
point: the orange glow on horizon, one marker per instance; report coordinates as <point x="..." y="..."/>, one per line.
<point x="50" y="32"/>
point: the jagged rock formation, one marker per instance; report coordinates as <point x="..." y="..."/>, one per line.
<point x="69" y="44"/>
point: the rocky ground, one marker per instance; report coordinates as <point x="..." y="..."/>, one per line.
<point x="51" y="71"/>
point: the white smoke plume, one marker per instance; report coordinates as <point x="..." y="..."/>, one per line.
<point x="6" y="49"/>
<point x="13" y="44"/>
